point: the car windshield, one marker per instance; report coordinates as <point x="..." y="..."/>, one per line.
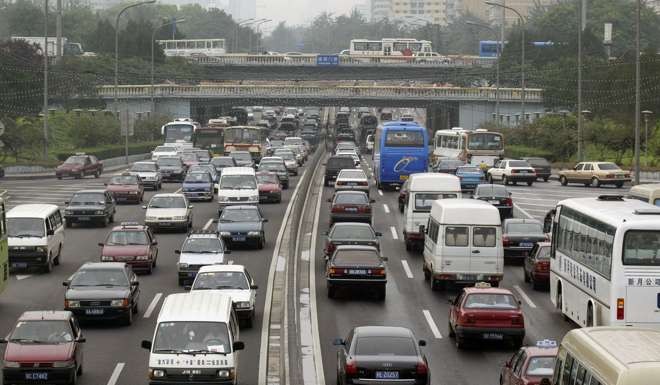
<point x="223" y="162"/>
<point x="608" y="166"/>
<point x="518" y="163"/>
<point x="240" y="215"/>
<point x="490" y="301"/>
<point x="351" y="199"/>
<point x="492" y="190"/>
<point x="202" y="245"/>
<point x="641" y="248"/>
<point x="467" y="169"/>
<point x="242" y="156"/>
<point x="167" y="203"/>
<point x="352" y="232"/>
<point x="169" y="162"/>
<point x="524" y="228"/>
<point x="42" y="331"/>
<point x="385" y="346"/>
<point x="189" y="156"/>
<point x="286" y="155"/>
<point x="126" y="238"/>
<point x="238" y="182"/>
<point x="357" y="257"/>
<point x="144" y="167"/>
<point x="75" y="160"/>
<point x="165" y="149"/>
<point x="219" y="280"/>
<point x="25" y="227"/>
<point x="99" y="277"/>
<point x="485" y="141"/>
<point x="543" y="253"/>
<point x="541" y="366"/>
<point x="423" y="201"/>
<point x="124" y="179"/>
<point x="88" y="199"/>
<point x="197" y="177"/>
<point x="191" y="336"/>
<point x="399" y="138"/>
<point x="352" y="174"/>
<point x="267" y="178"/>
<point x="293" y="141"/>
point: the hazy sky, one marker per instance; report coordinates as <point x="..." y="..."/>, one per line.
<point x="302" y="11"/>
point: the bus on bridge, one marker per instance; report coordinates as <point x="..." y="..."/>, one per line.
<point x="389" y="47"/>
<point x="246" y="138"/>
<point x="400" y="149"/>
<point x="472" y="146"/>
<point x="193" y="47"/>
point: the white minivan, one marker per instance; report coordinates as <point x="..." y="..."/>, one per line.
<point x="463" y="243"/>
<point x="423" y="189"/>
<point x="238" y="186"/>
<point x="35" y="237"/>
<point x="196" y="337"/>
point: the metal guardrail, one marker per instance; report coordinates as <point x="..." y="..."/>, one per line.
<point x="533" y="95"/>
<point x="310" y="60"/>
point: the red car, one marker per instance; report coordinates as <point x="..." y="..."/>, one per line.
<point x="79" y="166"/>
<point x="530" y="364"/>
<point x="126" y="188"/>
<point x="270" y="189"/>
<point x="45" y="347"/>
<point x="536" y="267"/>
<point x="403" y="195"/>
<point x="350" y="206"/>
<point x="133" y="244"/>
<point x="485" y="313"/>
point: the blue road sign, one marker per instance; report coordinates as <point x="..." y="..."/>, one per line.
<point x="327" y="60"/>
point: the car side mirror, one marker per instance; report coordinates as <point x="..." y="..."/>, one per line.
<point x="384" y="258"/>
<point x="191" y="207"/>
<point x="144" y="207"/>
<point x="81" y="340"/>
<point x="105" y="184"/>
<point x="50" y="232"/>
<point x="238" y="345"/>
<point x="135" y="283"/>
<point x="154" y="243"/>
<point x="227" y="251"/>
<point x="65" y="283"/>
<point x="379" y="234"/>
<point x="421" y="343"/>
<point x="101" y="244"/>
<point x="326" y="233"/>
<point x="177" y="251"/>
<point x="3" y="341"/>
<point x="450" y="300"/>
<point x="519" y="302"/>
<point x="329" y="200"/>
<point x="146" y="344"/>
<point x="264" y="220"/>
<point x="324" y="164"/>
<point x="66" y="202"/>
<point x="372" y="201"/>
<point x="254" y="287"/>
<point x="422" y="229"/>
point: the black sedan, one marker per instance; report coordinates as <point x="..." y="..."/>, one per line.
<point x="220" y="162"/>
<point x="356" y="267"/>
<point x="242" y="224"/>
<point x="520" y="235"/>
<point x="172" y="168"/>
<point x="90" y="207"/>
<point x="542" y="167"/>
<point x="351" y="233"/>
<point x="381" y="355"/>
<point x="103" y="291"/>
<point x="350" y="206"/>
<point x="498" y="196"/>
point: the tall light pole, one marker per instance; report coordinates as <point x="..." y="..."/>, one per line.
<point x="237" y="32"/>
<point x="116" y="90"/>
<point x="45" y="52"/>
<point x="250" y="35"/>
<point x="583" y="115"/>
<point x="582" y="15"/>
<point x="522" y="57"/>
<point x="646" y="114"/>
<point x="262" y="21"/>
<point x="497" y="68"/>
<point x="153" y="44"/>
<point x="637" y="86"/>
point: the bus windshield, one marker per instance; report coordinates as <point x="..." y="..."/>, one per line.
<point x="242" y="135"/>
<point x="641" y="248"/>
<point x="485" y="141"/>
<point x="400" y="138"/>
<point x="174" y="132"/>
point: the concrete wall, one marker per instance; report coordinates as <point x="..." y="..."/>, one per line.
<point x="176" y="108"/>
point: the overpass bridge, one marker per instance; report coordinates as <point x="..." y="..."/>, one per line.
<point x="453" y="106"/>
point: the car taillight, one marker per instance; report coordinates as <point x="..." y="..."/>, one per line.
<point x="341" y="183"/>
<point x="627" y="175"/>
<point x="514" y="171"/>
<point x="421" y="369"/>
<point x="468" y="318"/>
<point x="365" y="209"/>
<point x="335" y="271"/>
<point x="620" y="309"/>
<point x="505" y="241"/>
<point x="330" y="248"/>
<point x="337" y="208"/>
<point x="379" y="272"/>
<point x="363" y="184"/>
<point x="351" y="368"/>
<point x="508" y="202"/>
<point x="517" y="320"/>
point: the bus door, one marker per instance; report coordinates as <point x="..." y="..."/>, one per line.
<point x="387" y="48"/>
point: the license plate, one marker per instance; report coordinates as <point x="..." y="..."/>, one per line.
<point x="523" y="171"/>
<point x="403" y="177"/>
<point x="19" y="265"/>
<point x="467" y="277"/>
<point x="351" y="184"/>
<point x="619" y="177"/>
<point x="494" y="202"/>
<point x="42" y="376"/>
<point x="352" y="210"/>
<point x="387" y="375"/>
<point x="93" y="311"/>
<point x="238" y="238"/>
<point x="357" y="272"/>
<point x="164" y="223"/>
<point x="83" y="218"/>
<point x="493" y="336"/>
<point x="526" y="244"/>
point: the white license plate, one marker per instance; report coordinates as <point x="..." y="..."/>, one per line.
<point x="387" y="375"/>
<point x="493" y="336"/>
<point x="526" y="244"/>
<point x="351" y="184"/>
<point x="19" y="265"/>
<point x="39" y="376"/>
<point x="357" y="272"/>
<point x="94" y="311"/>
<point x="494" y="202"/>
<point x="238" y="239"/>
<point x="84" y="218"/>
<point x="351" y="210"/>
<point x="619" y="177"/>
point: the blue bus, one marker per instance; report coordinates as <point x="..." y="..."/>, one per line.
<point x="400" y="149"/>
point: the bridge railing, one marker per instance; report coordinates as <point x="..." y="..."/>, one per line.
<point x="320" y="91"/>
<point x="345" y="60"/>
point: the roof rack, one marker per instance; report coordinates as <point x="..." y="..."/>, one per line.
<point x="482" y="285"/>
<point x="203" y="232"/>
<point x="611" y="198"/>
<point x="546" y="344"/>
<point x="123" y="224"/>
<point x="649" y="211"/>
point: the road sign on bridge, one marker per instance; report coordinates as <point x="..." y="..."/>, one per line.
<point x="327" y="60"/>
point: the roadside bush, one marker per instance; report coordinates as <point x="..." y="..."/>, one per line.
<point x="110" y="151"/>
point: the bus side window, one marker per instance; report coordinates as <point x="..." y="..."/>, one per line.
<point x="566" y="374"/>
<point x="582" y="372"/>
<point x="557" y="372"/>
<point x="574" y="371"/>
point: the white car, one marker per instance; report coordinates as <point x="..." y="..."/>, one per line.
<point x="352" y="180"/>
<point x="164" y="151"/>
<point x="346" y="146"/>
<point x="148" y="172"/>
<point x="233" y="280"/>
<point x="352" y="154"/>
<point x="167" y="211"/>
<point x="201" y="248"/>
<point x="512" y="170"/>
<point x="300" y="156"/>
<point x="289" y="159"/>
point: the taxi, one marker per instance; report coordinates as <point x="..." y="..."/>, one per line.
<point x="530" y="365"/>
<point x="133" y="244"/>
<point x="486" y="313"/>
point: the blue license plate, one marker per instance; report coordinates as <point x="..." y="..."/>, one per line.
<point x="19" y="265"/>
<point x="387" y="375"/>
<point x="39" y="376"/>
<point x="526" y="244"/>
<point x="94" y="311"/>
<point x="238" y="239"/>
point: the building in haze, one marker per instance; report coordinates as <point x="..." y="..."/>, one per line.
<point x="380" y="9"/>
<point x="430" y="11"/>
<point x="522" y="6"/>
<point x="243" y="9"/>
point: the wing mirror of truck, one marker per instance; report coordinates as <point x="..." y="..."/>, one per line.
<point x="146" y="344"/>
<point x="422" y="229"/>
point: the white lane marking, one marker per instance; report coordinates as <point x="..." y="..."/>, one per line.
<point x="386" y="208"/>
<point x="22" y="277"/>
<point x="208" y="224"/>
<point x="179" y="190"/>
<point x="432" y="325"/>
<point x="524" y="296"/>
<point x="394" y="234"/>
<point x="380" y="192"/>
<point x="152" y="305"/>
<point x="406" y="268"/>
<point x="115" y="373"/>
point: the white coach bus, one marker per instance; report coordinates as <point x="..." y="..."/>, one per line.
<point x="605" y="261"/>
<point x="193" y="47"/>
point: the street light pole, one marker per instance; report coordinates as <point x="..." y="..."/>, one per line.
<point x="258" y="24"/>
<point x="646" y="114"/>
<point x="497" y="69"/>
<point x="45" y="107"/>
<point x="581" y="17"/>
<point x="116" y="90"/>
<point x="237" y="33"/>
<point x="522" y="58"/>
<point x="153" y="43"/>
<point x="637" y="87"/>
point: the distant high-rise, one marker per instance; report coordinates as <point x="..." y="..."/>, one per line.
<point x="424" y="11"/>
<point x="243" y="9"/>
<point x="522" y="6"/>
<point x="380" y="9"/>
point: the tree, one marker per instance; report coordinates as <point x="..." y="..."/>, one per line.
<point x="21" y="78"/>
<point x="102" y="40"/>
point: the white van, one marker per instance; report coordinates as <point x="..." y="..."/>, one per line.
<point x="238" y="186"/>
<point x="36" y="237"/>
<point x="196" y="337"/>
<point x="423" y="189"/>
<point x="370" y="143"/>
<point x="463" y="243"/>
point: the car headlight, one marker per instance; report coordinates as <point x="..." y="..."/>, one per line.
<point x="42" y="249"/>
<point x="99" y="212"/>
<point x="142" y="258"/>
<point x="225" y="234"/>
<point x="156" y="373"/>
<point x="223" y="198"/>
<point x="226" y="373"/>
<point x="133" y="192"/>
<point x="107" y="258"/>
<point x="149" y="218"/>
<point x="10" y="364"/>
<point x="254" y="234"/>
<point x="68" y="212"/>
<point x="72" y="304"/>
<point x="119" y="302"/>
<point x="243" y="305"/>
<point x="63" y="364"/>
<point x="182" y="266"/>
<point x="180" y="218"/>
<point x="254" y="197"/>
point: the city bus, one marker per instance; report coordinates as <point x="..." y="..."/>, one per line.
<point x="400" y="149"/>
<point x="472" y="146"/>
<point x="389" y="47"/>
<point x="246" y="138"/>
<point x="605" y="261"/>
<point x="608" y="356"/>
<point x="193" y="47"/>
<point x="179" y="132"/>
<point x="212" y="136"/>
<point x="4" y="248"/>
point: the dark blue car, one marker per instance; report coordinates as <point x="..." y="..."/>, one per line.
<point x="198" y="185"/>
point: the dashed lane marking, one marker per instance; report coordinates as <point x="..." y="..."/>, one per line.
<point x="432" y="325"/>
<point x="380" y="192"/>
<point x="394" y="233"/>
<point x="386" y="208"/>
<point x="208" y="224"/>
<point x="22" y="277"/>
<point x="152" y="305"/>
<point x="406" y="268"/>
<point x="524" y="296"/>
<point x="116" y="373"/>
